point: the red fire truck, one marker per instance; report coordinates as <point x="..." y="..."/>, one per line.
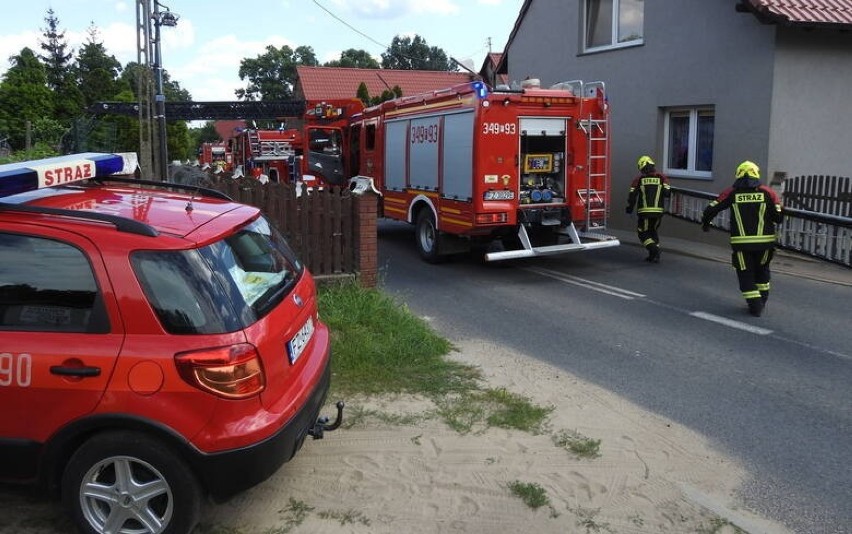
<point x="469" y="166"/>
<point x="269" y="152"/>
<point x="280" y="153"/>
<point x="216" y="154"/>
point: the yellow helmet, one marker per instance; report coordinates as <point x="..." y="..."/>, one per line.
<point x="644" y="160"/>
<point x="748" y="168"/>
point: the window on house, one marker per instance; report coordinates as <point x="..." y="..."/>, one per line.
<point x="614" y="23"/>
<point x="689" y="142"/>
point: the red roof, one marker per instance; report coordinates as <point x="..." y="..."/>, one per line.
<point x="227" y="128"/>
<point x="318" y="83"/>
<point x="804" y="12"/>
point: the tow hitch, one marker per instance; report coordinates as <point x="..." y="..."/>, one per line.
<point x="322" y="423"/>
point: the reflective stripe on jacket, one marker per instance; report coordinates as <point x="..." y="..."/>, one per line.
<point x="650" y="191"/>
<point x="755" y="210"/>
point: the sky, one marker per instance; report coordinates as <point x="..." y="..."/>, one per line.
<point x="203" y="52"/>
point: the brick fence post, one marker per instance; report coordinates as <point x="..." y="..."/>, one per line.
<point x="366" y="240"/>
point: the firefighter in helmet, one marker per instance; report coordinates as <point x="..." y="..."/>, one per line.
<point x="755" y="210"/>
<point x="647" y="194"/>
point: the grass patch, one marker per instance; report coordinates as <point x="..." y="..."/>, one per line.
<point x="358" y="415"/>
<point x="577" y="443"/>
<point x="532" y="494"/>
<point x="346" y="517"/>
<point x="718" y="524"/>
<point x="483" y="408"/>
<point x="379" y="347"/>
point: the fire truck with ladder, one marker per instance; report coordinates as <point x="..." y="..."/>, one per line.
<point x="468" y="167"/>
<point x="280" y="153"/>
<point x="216" y="155"/>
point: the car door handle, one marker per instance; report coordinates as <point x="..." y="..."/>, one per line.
<point x="75" y="371"/>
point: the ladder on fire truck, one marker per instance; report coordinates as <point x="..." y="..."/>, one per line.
<point x="597" y="154"/>
<point x="254" y="142"/>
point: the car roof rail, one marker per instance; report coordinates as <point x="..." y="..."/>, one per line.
<point x="122" y="224"/>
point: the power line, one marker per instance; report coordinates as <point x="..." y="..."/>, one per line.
<point x="354" y="29"/>
<point x="387" y="48"/>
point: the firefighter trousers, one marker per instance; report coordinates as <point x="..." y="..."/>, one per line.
<point x="753" y="274"/>
<point x="647" y="230"/>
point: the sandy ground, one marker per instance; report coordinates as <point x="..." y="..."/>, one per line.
<point x="652" y="476"/>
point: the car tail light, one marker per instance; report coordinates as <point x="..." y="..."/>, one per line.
<point x="233" y="372"/>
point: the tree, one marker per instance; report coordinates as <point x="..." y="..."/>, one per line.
<point x="272" y="76"/>
<point x="406" y="53"/>
<point x="388" y="94"/>
<point x="67" y="98"/>
<point x="356" y="59"/>
<point x="98" y="72"/>
<point x="207" y="133"/>
<point x="24" y="97"/>
<point x="57" y="57"/>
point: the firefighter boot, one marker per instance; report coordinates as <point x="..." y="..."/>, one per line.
<point x="755" y="306"/>
<point x="653" y="253"/>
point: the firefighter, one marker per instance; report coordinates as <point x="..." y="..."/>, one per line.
<point x="755" y="210"/>
<point x="650" y="188"/>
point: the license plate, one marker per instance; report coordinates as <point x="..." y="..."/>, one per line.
<point x="296" y="345"/>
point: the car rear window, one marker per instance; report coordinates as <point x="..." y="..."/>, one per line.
<point x="221" y="287"/>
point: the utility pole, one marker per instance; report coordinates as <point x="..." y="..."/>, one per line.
<point x="145" y="90"/>
<point x="152" y="98"/>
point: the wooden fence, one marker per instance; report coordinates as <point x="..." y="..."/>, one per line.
<point x="829" y="195"/>
<point x="332" y="230"/>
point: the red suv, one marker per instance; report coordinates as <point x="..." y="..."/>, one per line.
<point x="160" y="344"/>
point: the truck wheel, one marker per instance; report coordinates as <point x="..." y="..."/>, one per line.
<point x="130" y="482"/>
<point x="426" y="236"/>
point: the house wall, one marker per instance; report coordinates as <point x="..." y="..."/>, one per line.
<point x="812" y="104"/>
<point x="695" y="52"/>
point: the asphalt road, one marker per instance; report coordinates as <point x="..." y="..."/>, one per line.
<point x="675" y="338"/>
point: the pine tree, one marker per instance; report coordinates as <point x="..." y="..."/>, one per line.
<point x="57" y="57"/>
<point x="97" y="72"/>
<point x="67" y="98"/>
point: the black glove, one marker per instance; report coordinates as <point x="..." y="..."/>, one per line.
<point x="705" y="227"/>
<point x="628" y="210"/>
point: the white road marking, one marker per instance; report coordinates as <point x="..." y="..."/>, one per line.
<point x="733" y="324"/>
<point x="588" y="284"/>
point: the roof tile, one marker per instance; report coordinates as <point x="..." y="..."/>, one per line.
<point x="831" y="12"/>
<point x="319" y="83"/>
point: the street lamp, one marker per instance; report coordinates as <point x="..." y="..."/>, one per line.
<point x="168" y="19"/>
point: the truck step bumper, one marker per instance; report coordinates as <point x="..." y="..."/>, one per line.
<point x="580" y="241"/>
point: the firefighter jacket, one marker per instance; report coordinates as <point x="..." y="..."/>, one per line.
<point x="650" y="191"/>
<point x="755" y="210"/>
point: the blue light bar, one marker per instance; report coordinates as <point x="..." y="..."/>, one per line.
<point x="49" y="172"/>
<point x="481" y="89"/>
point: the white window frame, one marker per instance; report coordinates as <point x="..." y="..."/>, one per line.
<point x="614" y="44"/>
<point x="690" y="171"/>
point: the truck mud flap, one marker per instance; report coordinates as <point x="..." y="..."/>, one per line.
<point x="579" y="241"/>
